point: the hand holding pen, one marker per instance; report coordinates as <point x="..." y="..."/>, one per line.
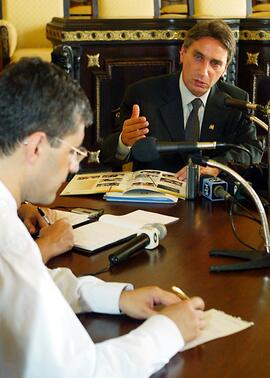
<point x="44" y="216"/>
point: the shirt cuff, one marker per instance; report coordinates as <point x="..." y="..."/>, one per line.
<point x="122" y="151"/>
<point x="166" y="339"/>
<point x="102" y="297"/>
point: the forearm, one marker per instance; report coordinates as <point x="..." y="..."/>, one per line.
<point x="88" y="294"/>
<point x="143" y="351"/>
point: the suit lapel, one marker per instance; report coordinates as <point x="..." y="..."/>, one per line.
<point x="212" y="128"/>
<point x="171" y="111"/>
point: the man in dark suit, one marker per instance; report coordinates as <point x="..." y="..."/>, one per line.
<point x="161" y="106"/>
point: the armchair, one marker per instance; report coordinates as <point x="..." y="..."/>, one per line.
<point x="219" y="9"/>
<point x="23" y="27"/>
<point x="125" y="8"/>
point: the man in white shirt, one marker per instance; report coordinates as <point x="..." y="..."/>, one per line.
<point x="43" y="116"/>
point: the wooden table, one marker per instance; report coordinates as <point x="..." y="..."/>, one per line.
<point x="183" y="259"/>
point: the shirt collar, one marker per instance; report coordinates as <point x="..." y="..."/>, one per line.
<point x="7" y="197"/>
<point x="187" y="96"/>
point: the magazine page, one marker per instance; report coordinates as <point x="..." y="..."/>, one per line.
<point x="157" y="181"/>
<point x="91" y="183"/>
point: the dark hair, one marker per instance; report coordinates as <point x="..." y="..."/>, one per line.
<point x="217" y="29"/>
<point x="39" y="96"/>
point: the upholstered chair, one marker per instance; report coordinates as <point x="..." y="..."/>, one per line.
<point x="174" y="11"/>
<point x="125" y="8"/>
<point x="261" y="11"/>
<point x="23" y="27"/>
<point x="220" y="9"/>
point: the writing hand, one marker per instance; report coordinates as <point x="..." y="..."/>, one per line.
<point x="55" y="239"/>
<point x="32" y="218"/>
<point x="134" y="128"/>
<point x="188" y="317"/>
<point x="141" y="303"/>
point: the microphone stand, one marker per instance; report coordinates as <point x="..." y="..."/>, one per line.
<point x="255" y="259"/>
<point x="268" y="148"/>
<point x="266" y="110"/>
<point x="258" y="121"/>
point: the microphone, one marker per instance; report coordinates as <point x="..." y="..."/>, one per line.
<point x="147" y="237"/>
<point x="213" y="187"/>
<point x="223" y="100"/>
<point x="148" y="149"/>
<point x="220" y="192"/>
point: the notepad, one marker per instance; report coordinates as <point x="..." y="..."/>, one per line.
<point x="111" y="229"/>
<point x="218" y="324"/>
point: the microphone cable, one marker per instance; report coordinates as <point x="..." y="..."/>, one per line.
<point x="231" y="213"/>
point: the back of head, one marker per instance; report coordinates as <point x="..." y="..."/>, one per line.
<point x="39" y="96"/>
<point x="216" y="29"/>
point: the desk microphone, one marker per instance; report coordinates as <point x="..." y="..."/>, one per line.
<point x="149" y="148"/>
<point x="147" y="237"/>
<point x="223" y="100"/>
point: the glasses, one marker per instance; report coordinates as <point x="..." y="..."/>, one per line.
<point x="76" y="154"/>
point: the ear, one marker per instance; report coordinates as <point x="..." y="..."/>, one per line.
<point x="35" y="145"/>
<point x="182" y="53"/>
<point x="224" y="73"/>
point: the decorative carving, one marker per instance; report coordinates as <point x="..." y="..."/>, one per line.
<point x="93" y="60"/>
<point x="255" y="35"/>
<point x="115" y="35"/>
<point x="252" y="58"/>
<point x="64" y="56"/>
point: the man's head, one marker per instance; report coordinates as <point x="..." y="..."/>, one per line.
<point x="40" y="106"/>
<point x="206" y="52"/>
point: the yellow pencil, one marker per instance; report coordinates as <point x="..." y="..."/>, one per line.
<point x="180" y="293"/>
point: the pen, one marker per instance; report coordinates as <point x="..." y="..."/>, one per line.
<point x="179" y="293"/>
<point x="44" y="216"/>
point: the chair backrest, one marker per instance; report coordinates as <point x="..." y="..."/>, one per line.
<point x="125" y="8"/>
<point x="220" y="9"/>
<point x="30" y="18"/>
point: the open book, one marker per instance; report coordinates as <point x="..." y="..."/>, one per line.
<point x="110" y="229"/>
<point x="141" y="186"/>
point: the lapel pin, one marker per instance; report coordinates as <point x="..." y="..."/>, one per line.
<point x="212" y="127"/>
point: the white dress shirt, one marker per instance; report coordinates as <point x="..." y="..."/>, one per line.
<point x="40" y="335"/>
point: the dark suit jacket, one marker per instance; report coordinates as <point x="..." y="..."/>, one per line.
<point x="160" y="102"/>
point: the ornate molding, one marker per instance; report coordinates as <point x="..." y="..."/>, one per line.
<point x="252" y="58"/>
<point x="255" y="35"/>
<point x="93" y="60"/>
<point x="115" y="35"/>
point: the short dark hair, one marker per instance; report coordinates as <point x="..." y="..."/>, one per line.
<point x="217" y="29"/>
<point x="39" y="96"/>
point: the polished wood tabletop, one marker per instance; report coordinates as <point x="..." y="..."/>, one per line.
<point x="182" y="259"/>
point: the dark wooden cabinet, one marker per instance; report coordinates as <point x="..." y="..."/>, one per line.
<point x="108" y="55"/>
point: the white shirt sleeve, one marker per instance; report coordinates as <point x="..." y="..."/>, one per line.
<point x="89" y="293"/>
<point x="122" y="151"/>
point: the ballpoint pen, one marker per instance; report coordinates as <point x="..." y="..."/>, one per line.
<point x="44" y="216"/>
<point x="179" y="293"/>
